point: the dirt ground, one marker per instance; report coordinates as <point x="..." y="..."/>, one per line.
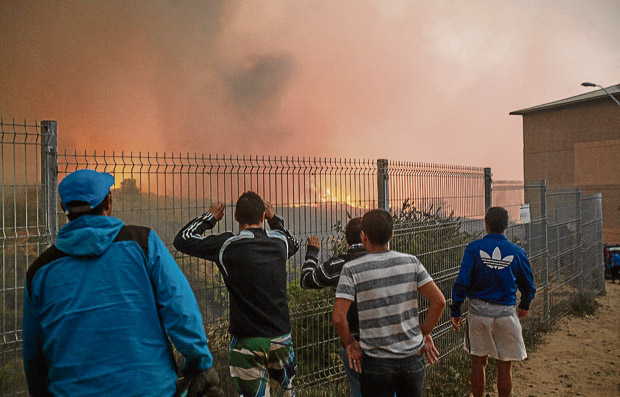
<point x="580" y="357"/>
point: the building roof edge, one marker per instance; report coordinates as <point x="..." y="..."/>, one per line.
<point x="589" y="96"/>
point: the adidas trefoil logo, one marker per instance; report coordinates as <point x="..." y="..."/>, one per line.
<point x="496" y="261"/>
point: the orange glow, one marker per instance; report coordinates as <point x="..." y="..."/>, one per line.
<point x="337" y="195"/>
<point x="117" y="183"/>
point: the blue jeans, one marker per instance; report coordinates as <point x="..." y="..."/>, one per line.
<point x="382" y="377"/>
<point x="352" y="375"/>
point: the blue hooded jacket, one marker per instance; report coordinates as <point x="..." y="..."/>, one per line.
<point x="492" y="270"/>
<point x="100" y="307"/>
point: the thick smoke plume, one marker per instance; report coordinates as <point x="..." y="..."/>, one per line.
<point x="404" y="80"/>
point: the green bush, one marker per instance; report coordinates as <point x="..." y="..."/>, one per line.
<point x="581" y="306"/>
<point x="534" y="331"/>
<point x="450" y="376"/>
<point x="12" y="378"/>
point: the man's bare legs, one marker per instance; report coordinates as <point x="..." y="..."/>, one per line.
<point x="478" y="371"/>
<point x="504" y="378"/>
<point x="478" y="376"/>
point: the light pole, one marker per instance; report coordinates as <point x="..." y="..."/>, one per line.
<point x="588" y="84"/>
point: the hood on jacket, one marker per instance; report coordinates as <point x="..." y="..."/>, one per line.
<point x="88" y="235"/>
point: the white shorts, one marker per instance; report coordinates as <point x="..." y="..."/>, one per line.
<point x="498" y="337"/>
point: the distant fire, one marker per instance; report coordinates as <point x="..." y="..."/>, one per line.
<point x="335" y="197"/>
<point x="341" y="196"/>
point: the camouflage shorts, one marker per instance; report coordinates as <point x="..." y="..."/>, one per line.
<point x="260" y="363"/>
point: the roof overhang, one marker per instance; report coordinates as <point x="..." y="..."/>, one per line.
<point x="590" y="96"/>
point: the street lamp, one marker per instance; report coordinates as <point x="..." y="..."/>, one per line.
<point x="588" y="84"/>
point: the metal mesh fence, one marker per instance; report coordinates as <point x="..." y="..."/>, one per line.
<point x="438" y="210"/>
<point x="314" y="196"/>
<point x="510" y="195"/>
<point x="564" y="262"/>
<point x="24" y="236"/>
<point x="591" y="244"/>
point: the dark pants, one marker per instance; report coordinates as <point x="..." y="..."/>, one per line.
<point x="615" y="273"/>
<point x="382" y="377"/>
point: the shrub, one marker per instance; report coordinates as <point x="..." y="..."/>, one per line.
<point x="582" y="305"/>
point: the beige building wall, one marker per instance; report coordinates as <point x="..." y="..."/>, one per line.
<point x="578" y="145"/>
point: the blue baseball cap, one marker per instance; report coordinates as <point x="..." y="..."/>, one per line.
<point x="87" y="186"/>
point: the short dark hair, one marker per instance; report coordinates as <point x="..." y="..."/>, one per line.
<point x="249" y="209"/>
<point x="98" y="210"/>
<point x="497" y="219"/>
<point x="353" y="231"/>
<point x="378" y="226"/>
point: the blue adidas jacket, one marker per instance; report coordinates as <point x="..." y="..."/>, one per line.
<point x="99" y="309"/>
<point x="492" y="270"/>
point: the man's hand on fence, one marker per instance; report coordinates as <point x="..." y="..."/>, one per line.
<point x="522" y="313"/>
<point x="431" y="352"/>
<point x="217" y="210"/>
<point x="269" y="211"/>
<point x="457" y="322"/>
<point x="314" y="242"/>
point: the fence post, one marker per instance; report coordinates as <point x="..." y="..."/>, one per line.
<point x="382" y="185"/>
<point x="528" y="236"/>
<point x="49" y="175"/>
<point x="545" y="224"/>
<point x="579" y="241"/>
<point x="600" y="260"/>
<point x="488" y="189"/>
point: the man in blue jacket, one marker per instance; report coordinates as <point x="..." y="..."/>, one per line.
<point x="103" y="303"/>
<point x="615" y="267"/>
<point x="491" y="272"/>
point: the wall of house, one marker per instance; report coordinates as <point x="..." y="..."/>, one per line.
<point x="578" y="145"/>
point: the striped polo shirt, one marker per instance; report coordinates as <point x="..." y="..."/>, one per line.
<point x="386" y="287"/>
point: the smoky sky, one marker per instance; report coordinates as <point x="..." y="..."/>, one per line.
<point x="403" y="80"/>
<point x="263" y="80"/>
